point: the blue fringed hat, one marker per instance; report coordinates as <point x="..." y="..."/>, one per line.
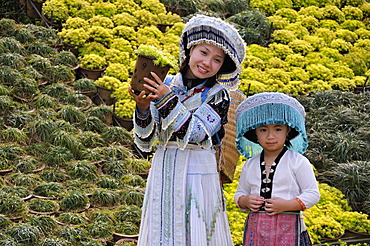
<point x="206" y="29"/>
<point x="269" y="108"/>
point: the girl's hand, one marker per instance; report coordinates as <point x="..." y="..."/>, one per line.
<point x="277" y="205"/>
<point x="253" y="202"/>
<point x="157" y="87"/>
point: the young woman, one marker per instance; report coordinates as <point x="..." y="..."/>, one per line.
<point x="277" y="182"/>
<point x="184" y="117"/>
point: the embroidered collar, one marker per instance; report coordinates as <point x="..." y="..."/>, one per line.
<point x="266" y="183"/>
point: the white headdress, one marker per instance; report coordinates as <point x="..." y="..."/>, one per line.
<point x="206" y="29"/>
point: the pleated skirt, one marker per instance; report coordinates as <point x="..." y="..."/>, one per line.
<point x="184" y="203"/>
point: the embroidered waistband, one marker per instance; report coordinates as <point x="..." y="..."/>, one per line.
<point x="173" y="144"/>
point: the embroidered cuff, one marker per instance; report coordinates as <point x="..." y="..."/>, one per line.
<point x="142" y="115"/>
<point x="164" y="99"/>
<point x="301" y="203"/>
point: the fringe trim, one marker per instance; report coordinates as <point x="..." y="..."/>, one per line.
<point x="269" y="114"/>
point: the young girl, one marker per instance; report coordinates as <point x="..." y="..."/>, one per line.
<point x="184" y="115"/>
<point x="277" y="182"/>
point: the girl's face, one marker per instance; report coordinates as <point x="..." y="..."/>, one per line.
<point x="205" y="61"/>
<point x="272" y="137"/>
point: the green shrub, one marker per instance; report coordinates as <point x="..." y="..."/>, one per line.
<point x="125" y="19"/>
<point x="76" y="37"/>
<point x="75" y="23"/>
<point x="105" y="9"/>
<point x="310" y="23"/>
<point x="52" y="189"/>
<point x="341" y="45"/>
<point x="126" y="32"/>
<point x="352" y="25"/>
<point x="74" y="234"/>
<point x="301" y="46"/>
<point x="352" y="13"/>
<point x="74" y="201"/>
<point x="333" y="13"/>
<point x="101" y="21"/>
<point x="267" y="7"/>
<point x="92" y="48"/>
<point x="93" y="61"/>
<point x="316" y="42"/>
<point x="329" y="24"/>
<point x="278" y="21"/>
<point x="100" y="229"/>
<point x="118" y="71"/>
<point x="362" y="33"/>
<point x="296" y="60"/>
<point x="318" y="71"/>
<point x="356" y="62"/>
<point x="83" y="170"/>
<point x="72" y="218"/>
<point x="11" y="206"/>
<point x="283" y="36"/>
<point x="276" y="62"/>
<point x="325" y="33"/>
<point x="41" y="205"/>
<point x="312" y="10"/>
<point x="55" y="10"/>
<point x="342" y="84"/>
<point x="100" y="34"/>
<point x="25" y="234"/>
<point x="104" y="198"/>
<point x="290" y="14"/>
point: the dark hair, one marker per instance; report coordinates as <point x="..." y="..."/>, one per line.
<point x="227" y="66"/>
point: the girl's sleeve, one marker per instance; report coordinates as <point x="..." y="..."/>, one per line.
<point x="243" y="189"/>
<point x="197" y="126"/>
<point x="310" y="194"/>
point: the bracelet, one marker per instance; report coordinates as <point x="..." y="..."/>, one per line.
<point x="301" y="203"/>
<point x="238" y="202"/>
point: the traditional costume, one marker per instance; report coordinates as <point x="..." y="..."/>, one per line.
<point x="291" y="175"/>
<point x="183" y="203"/>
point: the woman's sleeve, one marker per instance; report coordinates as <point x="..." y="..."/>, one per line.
<point x="197" y="126"/>
<point x="305" y="176"/>
<point x="144" y="129"/>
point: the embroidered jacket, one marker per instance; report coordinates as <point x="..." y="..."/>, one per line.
<point x="193" y="116"/>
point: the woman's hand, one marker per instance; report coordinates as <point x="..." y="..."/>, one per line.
<point x="157" y="88"/>
<point x="142" y="101"/>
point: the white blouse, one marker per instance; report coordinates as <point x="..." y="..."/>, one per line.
<point x="294" y="177"/>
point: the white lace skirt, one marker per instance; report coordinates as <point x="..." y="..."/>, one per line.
<point x="183" y="203"/>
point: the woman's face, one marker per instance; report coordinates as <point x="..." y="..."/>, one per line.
<point x="205" y="61"/>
